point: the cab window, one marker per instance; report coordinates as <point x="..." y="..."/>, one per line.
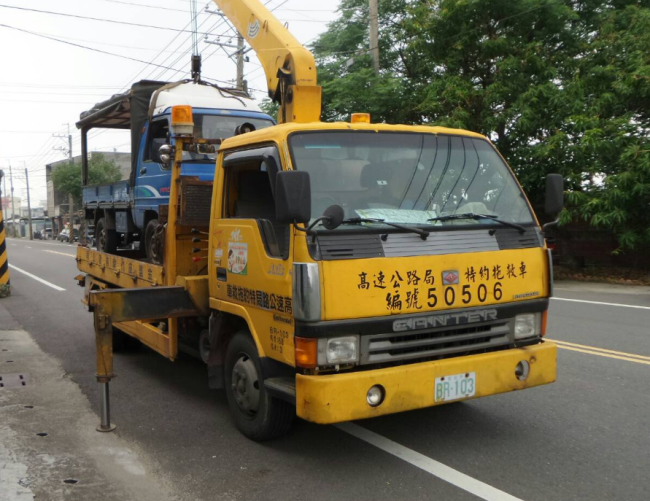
<point x="157" y="136"/>
<point x="250" y="190"/>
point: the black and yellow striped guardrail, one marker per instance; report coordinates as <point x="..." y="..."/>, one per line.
<point x="5" y="286"/>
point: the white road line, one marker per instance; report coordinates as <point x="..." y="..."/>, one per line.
<point x="443" y="472"/>
<point x="28" y="246"/>
<point x="36" y="278"/>
<point x="606" y="304"/>
<point x="62" y="253"/>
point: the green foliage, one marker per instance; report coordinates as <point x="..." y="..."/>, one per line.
<point x="270" y="108"/>
<point x="558" y="85"/>
<point x="67" y="178"/>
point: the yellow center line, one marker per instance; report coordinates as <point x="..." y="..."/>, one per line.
<point x="603" y="350"/>
<point x="605" y="355"/>
<point x="62" y="253"/>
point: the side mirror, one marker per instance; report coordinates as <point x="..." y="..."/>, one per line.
<point x="333" y="217"/>
<point x="292" y="197"/>
<point x="554" y="194"/>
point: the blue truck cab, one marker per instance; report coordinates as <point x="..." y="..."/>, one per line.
<point x="130" y="214"/>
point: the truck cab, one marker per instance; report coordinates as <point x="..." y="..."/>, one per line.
<point x="353" y="253"/>
<point x="129" y="214"/>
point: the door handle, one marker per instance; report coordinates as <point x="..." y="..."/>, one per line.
<point x="143" y="170"/>
<point x="222" y="274"/>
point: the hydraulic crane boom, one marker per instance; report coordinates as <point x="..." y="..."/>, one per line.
<point x="290" y="68"/>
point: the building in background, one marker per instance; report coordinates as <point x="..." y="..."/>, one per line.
<point x="57" y="202"/>
<point x="36" y="211"/>
<point x="8" y="207"/>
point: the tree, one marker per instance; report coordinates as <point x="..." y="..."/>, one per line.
<point x="270" y="108"/>
<point x="558" y="85"/>
<point x="67" y="178"/>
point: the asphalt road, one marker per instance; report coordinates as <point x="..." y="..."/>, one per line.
<point x="586" y="437"/>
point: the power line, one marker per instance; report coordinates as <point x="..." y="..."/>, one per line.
<point x="144" y="5"/>
<point x="39" y="93"/>
<point x="27" y="84"/>
<point x="184" y="53"/>
<point x="156" y="57"/>
<point x="83" y="46"/>
<point x="86" y="18"/>
<point x="106" y="43"/>
<point x="44" y="102"/>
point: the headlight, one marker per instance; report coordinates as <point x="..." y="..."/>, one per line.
<point x="338" y="350"/>
<point x="528" y="325"/>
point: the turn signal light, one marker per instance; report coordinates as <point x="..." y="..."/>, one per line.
<point x="544" y="317"/>
<point x="360" y="118"/>
<point x="306" y="352"/>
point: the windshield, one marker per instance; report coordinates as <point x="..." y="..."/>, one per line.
<point x="408" y="178"/>
<point x="219" y="127"/>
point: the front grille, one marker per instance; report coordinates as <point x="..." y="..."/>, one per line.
<point x="434" y="343"/>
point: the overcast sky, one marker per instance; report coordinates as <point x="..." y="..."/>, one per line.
<point x="46" y="84"/>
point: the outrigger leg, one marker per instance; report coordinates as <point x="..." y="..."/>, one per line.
<point x="104" y="348"/>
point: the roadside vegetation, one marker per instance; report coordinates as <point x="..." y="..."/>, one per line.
<point x="67" y="178"/>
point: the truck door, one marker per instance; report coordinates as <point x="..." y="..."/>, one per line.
<point x="153" y="178"/>
<point x="251" y="251"/>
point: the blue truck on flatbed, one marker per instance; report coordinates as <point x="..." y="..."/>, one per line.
<point x="130" y="214"/>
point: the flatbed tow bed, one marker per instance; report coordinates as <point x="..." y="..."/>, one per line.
<point x="119" y="270"/>
<point x="120" y="276"/>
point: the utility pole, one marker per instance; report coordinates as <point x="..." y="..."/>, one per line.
<point x="240" y="51"/>
<point x="70" y="201"/>
<point x="29" y="206"/>
<point x="240" y="62"/>
<point x="13" y="207"/>
<point x="374" y="34"/>
<point x="241" y="58"/>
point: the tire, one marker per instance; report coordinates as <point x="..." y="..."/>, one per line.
<point x="257" y="414"/>
<point x="204" y="345"/>
<point x="122" y="342"/>
<point x="154" y="254"/>
<point x="105" y="240"/>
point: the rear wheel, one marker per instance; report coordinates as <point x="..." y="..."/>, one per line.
<point x="257" y="414"/>
<point x="106" y="240"/>
<point x="152" y="243"/>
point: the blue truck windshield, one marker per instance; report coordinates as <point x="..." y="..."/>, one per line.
<point x="219" y="127"/>
<point x="408" y="178"/>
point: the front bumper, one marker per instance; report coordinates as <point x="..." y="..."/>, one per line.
<point x="335" y="398"/>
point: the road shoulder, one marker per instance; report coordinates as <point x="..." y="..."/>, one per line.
<point x="36" y="467"/>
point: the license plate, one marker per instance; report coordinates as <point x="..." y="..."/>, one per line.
<point x="456" y="387"/>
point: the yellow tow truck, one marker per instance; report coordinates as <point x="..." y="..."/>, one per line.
<point x="344" y="271"/>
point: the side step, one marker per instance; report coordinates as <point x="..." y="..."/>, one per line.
<point x="283" y="388"/>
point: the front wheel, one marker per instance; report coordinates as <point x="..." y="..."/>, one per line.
<point x="257" y="414"/>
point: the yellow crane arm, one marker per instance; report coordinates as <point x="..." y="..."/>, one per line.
<point x="290" y="68"/>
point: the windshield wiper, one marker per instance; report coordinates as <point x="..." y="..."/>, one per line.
<point x="358" y="220"/>
<point x="476" y="217"/>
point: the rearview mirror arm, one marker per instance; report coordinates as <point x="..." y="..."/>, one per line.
<point x="549" y="225"/>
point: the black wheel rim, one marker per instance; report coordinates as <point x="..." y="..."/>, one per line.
<point x="245" y="386"/>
